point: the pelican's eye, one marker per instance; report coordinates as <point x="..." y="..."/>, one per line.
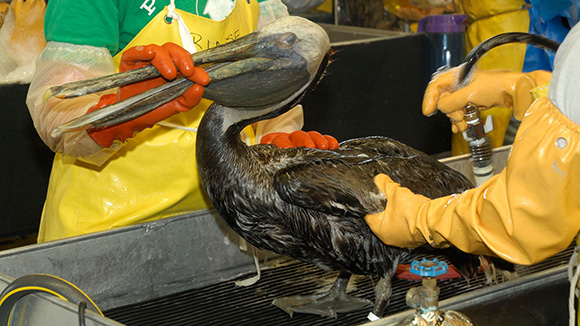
<point x="289" y="39"/>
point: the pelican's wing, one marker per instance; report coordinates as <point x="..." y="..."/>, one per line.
<point x="331" y="186"/>
<point x="410" y="167"/>
<point x="343" y="184"/>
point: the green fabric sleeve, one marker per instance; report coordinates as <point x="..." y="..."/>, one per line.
<point x="83" y="22"/>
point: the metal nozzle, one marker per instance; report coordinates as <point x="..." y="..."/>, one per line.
<point x="479" y="143"/>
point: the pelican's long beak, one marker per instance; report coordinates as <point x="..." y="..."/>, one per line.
<point x="254" y="71"/>
<point x="230" y="51"/>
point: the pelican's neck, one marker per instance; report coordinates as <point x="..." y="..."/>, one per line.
<point x="224" y="124"/>
<point x="219" y="148"/>
<point x="221" y="123"/>
<point x="218" y="136"/>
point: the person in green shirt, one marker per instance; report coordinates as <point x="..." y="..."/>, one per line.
<point x="144" y="169"/>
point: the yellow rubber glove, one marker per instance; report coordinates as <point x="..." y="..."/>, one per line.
<point x="28" y="29"/>
<point x="525" y="214"/>
<point x="488" y="88"/>
<point x="21" y="40"/>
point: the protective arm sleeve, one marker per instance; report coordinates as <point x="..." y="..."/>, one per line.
<point x="61" y="63"/>
<point x="525" y="214"/>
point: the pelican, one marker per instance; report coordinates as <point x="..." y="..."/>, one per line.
<point x="310" y="204"/>
<point x="304" y="203"/>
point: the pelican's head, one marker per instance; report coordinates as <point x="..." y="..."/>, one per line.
<point x="270" y="65"/>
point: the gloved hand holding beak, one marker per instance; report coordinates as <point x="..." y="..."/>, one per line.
<point x="486" y="89"/>
<point x="171" y="60"/>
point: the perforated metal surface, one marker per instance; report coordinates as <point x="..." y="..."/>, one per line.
<point x="226" y="304"/>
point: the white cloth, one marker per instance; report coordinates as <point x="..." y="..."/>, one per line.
<point x="565" y="84"/>
<point x="288" y="122"/>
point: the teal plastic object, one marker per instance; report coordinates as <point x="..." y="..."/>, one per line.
<point x="429" y="268"/>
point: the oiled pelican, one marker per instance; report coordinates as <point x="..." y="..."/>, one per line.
<point x="304" y="203"/>
<point x="310" y="204"/>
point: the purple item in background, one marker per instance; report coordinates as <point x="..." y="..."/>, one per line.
<point x="444" y="41"/>
<point x="442" y="24"/>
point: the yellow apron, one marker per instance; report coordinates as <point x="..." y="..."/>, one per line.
<point x="155" y="174"/>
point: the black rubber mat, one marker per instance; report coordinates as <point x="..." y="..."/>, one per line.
<point x="226" y="304"/>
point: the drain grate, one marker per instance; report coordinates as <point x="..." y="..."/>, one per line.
<point x="225" y="304"/>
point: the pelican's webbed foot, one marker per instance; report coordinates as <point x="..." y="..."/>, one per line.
<point x="383" y="292"/>
<point x="327" y="304"/>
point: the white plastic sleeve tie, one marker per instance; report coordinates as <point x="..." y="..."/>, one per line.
<point x="176" y="126"/>
<point x="184" y="34"/>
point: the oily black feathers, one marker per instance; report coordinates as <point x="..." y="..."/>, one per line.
<point x="341" y="183"/>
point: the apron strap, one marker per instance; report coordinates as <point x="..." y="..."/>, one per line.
<point x="184" y="34"/>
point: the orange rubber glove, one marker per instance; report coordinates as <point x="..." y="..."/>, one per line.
<point x="299" y="138"/>
<point x="171" y="60"/>
<point x="524" y="214"/>
<point x="488" y="88"/>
